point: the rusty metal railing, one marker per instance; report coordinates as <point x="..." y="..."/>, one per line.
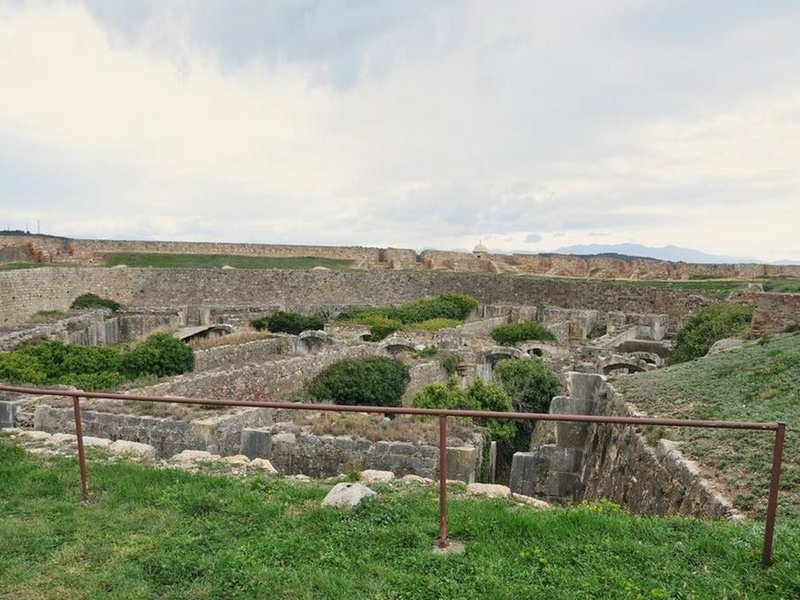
<point x="442" y="541"/>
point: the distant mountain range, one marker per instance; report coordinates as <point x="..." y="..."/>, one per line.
<point x="668" y="253"/>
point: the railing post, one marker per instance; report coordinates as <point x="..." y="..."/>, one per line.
<point x="76" y="404"/>
<point x="442" y="541"/>
<point x="772" y="502"/>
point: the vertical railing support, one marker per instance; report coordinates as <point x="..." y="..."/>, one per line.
<point x="76" y="404"/>
<point x="772" y="502"/>
<point x="441" y="541"/>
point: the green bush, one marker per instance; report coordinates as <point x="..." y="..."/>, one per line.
<point x="159" y="355"/>
<point x="371" y="381"/>
<point x="288" y="322"/>
<point x="446" y="310"/>
<point x="530" y="385"/>
<point x="477" y="396"/>
<point x="94" y="301"/>
<point x="93" y="382"/>
<point x="511" y="333"/>
<point x="701" y="330"/>
<point x="20" y="369"/>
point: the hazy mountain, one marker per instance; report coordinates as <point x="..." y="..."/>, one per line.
<point x="668" y="253"/>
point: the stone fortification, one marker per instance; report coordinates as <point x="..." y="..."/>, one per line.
<point x="573" y="461"/>
<point x="92" y="252"/>
<point x="26" y="292"/>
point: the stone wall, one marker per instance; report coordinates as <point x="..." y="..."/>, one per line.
<point x="582" y="461"/>
<point x="293" y="450"/>
<point x="776" y="313"/>
<point x="92" y="252"/>
<point x="25" y="292"/>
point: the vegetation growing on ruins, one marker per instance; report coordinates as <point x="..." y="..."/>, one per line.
<point x="87" y="301"/>
<point x="476" y="396"/>
<point x="166" y="533"/>
<point x="370" y="381"/>
<point x="509" y="334"/>
<point x="701" y="330"/>
<point x="288" y="322"/>
<point x="92" y="368"/>
<point x="445" y="310"/>
<point x="758" y="382"/>
<point x="216" y="261"/>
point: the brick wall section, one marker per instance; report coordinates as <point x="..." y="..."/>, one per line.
<point x="25" y="292"/>
<point x="776" y="313"/>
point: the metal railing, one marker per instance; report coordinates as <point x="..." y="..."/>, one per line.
<point x="442" y="541"/>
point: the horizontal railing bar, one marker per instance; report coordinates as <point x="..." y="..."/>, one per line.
<point x="401" y="410"/>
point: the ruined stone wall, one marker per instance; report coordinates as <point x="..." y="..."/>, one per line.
<point x="580" y="461"/>
<point x="277" y="379"/>
<point x="25" y="292"/>
<point x="776" y="313"/>
<point x="257" y="351"/>
<point x="91" y="252"/>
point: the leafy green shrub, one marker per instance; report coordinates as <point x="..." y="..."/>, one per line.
<point x="371" y="381"/>
<point x="294" y="323"/>
<point x="446" y="310"/>
<point x="19" y="369"/>
<point x="530" y="385"/>
<point x="159" y="355"/>
<point x="477" y="396"/>
<point x="511" y="333"/>
<point x="93" y="382"/>
<point x="90" y="300"/>
<point x="259" y="324"/>
<point x="701" y="330"/>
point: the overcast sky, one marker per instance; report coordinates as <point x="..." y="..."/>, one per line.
<point x="525" y="124"/>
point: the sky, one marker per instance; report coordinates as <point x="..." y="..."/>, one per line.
<point x="524" y="125"/>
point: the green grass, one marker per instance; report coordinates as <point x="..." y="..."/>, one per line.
<point x="150" y="533"/>
<point x="25" y="265"/>
<point x="212" y="261"/>
<point x="759" y="382"/>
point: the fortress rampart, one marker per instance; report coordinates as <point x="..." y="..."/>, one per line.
<point x="47" y="249"/>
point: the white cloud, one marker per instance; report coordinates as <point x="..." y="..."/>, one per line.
<point x="526" y="125"/>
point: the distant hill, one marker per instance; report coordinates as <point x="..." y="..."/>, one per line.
<point x="668" y="253"/>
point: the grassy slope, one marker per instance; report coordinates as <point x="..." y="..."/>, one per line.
<point x="164" y="533"/>
<point x="759" y="382"/>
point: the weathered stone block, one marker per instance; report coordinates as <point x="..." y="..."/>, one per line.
<point x="563" y="486"/>
<point x="8" y="414"/>
<point x="256" y="443"/>
<point x="586" y="385"/>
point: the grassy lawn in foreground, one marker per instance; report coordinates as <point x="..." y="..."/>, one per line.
<point x="165" y="533"/>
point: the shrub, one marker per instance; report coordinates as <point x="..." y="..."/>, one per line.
<point x="371" y="381"/>
<point x="701" y="330"/>
<point x="294" y="323"/>
<point x="19" y="369"/>
<point x="94" y="301"/>
<point x="511" y="333"/>
<point x="446" y="310"/>
<point x="477" y="396"/>
<point x="530" y="385"/>
<point x="288" y="322"/>
<point x="159" y="355"/>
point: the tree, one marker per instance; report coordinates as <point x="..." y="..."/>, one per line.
<point x="530" y="385"/>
